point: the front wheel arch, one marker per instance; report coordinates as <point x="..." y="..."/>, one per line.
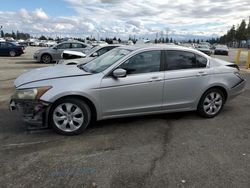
<point x="84" y="99"/>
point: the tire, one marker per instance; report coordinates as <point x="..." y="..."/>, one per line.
<point x="12" y="53"/>
<point x="70" y="116"/>
<point x="46" y="58"/>
<point x="211" y="103"/>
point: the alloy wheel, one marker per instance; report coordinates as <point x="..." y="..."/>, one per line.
<point x="212" y="103"/>
<point x="68" y="117"/>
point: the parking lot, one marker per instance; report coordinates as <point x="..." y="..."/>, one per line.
<point x="168" y="150"/>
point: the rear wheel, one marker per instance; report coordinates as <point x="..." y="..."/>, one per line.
<point x="46" y="58"/>
<point x="12" y="53"/>
<point x="70" y="116"/>
<point x="211" y="103"/>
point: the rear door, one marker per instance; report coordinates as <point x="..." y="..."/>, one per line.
<point x="60" y="48"/>
<point x="185" y="79"/>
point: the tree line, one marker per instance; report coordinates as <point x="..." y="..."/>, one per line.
<point x="237" y="34"/>
<point x="16" y="35"/>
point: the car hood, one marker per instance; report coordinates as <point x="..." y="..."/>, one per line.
<point x="222" y="49"/>
<point x="203" y="49"/>
<point x="47" y="73"/>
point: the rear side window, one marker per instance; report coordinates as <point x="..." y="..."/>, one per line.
<point x="180" y="60"/>
<point x="184" y="60"/>
<point x="78" y="45"/>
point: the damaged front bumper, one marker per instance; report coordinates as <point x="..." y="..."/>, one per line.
<point x="35" y="112"/>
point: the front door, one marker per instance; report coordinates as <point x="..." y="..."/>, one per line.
<point x="140" y="91"/>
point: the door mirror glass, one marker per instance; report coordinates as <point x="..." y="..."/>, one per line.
<point x="118" y="73"/>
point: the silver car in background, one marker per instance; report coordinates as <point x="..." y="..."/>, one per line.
<point x="90" y="54"/>
<point x="126" y="81"/>
<point x="53" y="54"/>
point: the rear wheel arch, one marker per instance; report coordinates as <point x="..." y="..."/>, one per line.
<point x="224" y="91"/>
<point x="209" y="105"/>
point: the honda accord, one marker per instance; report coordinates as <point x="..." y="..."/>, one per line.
<point x="126" y="81"/>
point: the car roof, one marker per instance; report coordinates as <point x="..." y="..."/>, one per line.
<point x="72" y="41"/>
<point x="160" y="47"/>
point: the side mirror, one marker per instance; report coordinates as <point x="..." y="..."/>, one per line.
<point x="55" y="48"/>
<point x="119" y="73"/>
<point x="95" y="54"/>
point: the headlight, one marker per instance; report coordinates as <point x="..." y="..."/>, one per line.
<point x="34" y="93"/>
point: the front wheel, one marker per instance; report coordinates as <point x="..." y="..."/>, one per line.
<point x="211" y="103"/>
<point x="70" y="116"/>
<point x="46" y="58"/>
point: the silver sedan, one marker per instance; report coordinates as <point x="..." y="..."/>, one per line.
<point x="53" y="54"/>
<point x="126" y="81"/>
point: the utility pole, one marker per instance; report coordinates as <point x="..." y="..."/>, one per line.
<point x="1" y="31"/>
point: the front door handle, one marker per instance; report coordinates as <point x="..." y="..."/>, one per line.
<point x="202" y="73"/>
<point x="155" y="79"/>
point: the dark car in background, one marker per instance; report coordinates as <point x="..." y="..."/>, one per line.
<point x="221" y="50"/>
<point x="11" y="49"/>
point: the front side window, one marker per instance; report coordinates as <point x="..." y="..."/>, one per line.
<point x="180" y="60"/>
<point x="144" y="62"/>
<point x="63" y="46"/>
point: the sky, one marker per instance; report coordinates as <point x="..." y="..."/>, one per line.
<point x="180" y="19"/>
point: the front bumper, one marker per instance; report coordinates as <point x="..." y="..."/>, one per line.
<point x="220" y="52"/>
<point x="35" y="112"/>
<point x="35" y="57"/>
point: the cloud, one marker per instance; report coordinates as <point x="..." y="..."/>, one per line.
<point x="40" y="14"/>
<point x="143" y="18"/>
<point x="24" y="14"/>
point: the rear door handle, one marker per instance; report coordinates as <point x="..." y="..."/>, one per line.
<point x="155" y="79"/>
<point x="202" y="73"/>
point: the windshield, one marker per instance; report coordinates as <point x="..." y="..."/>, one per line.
<point x="106" y="60"/>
